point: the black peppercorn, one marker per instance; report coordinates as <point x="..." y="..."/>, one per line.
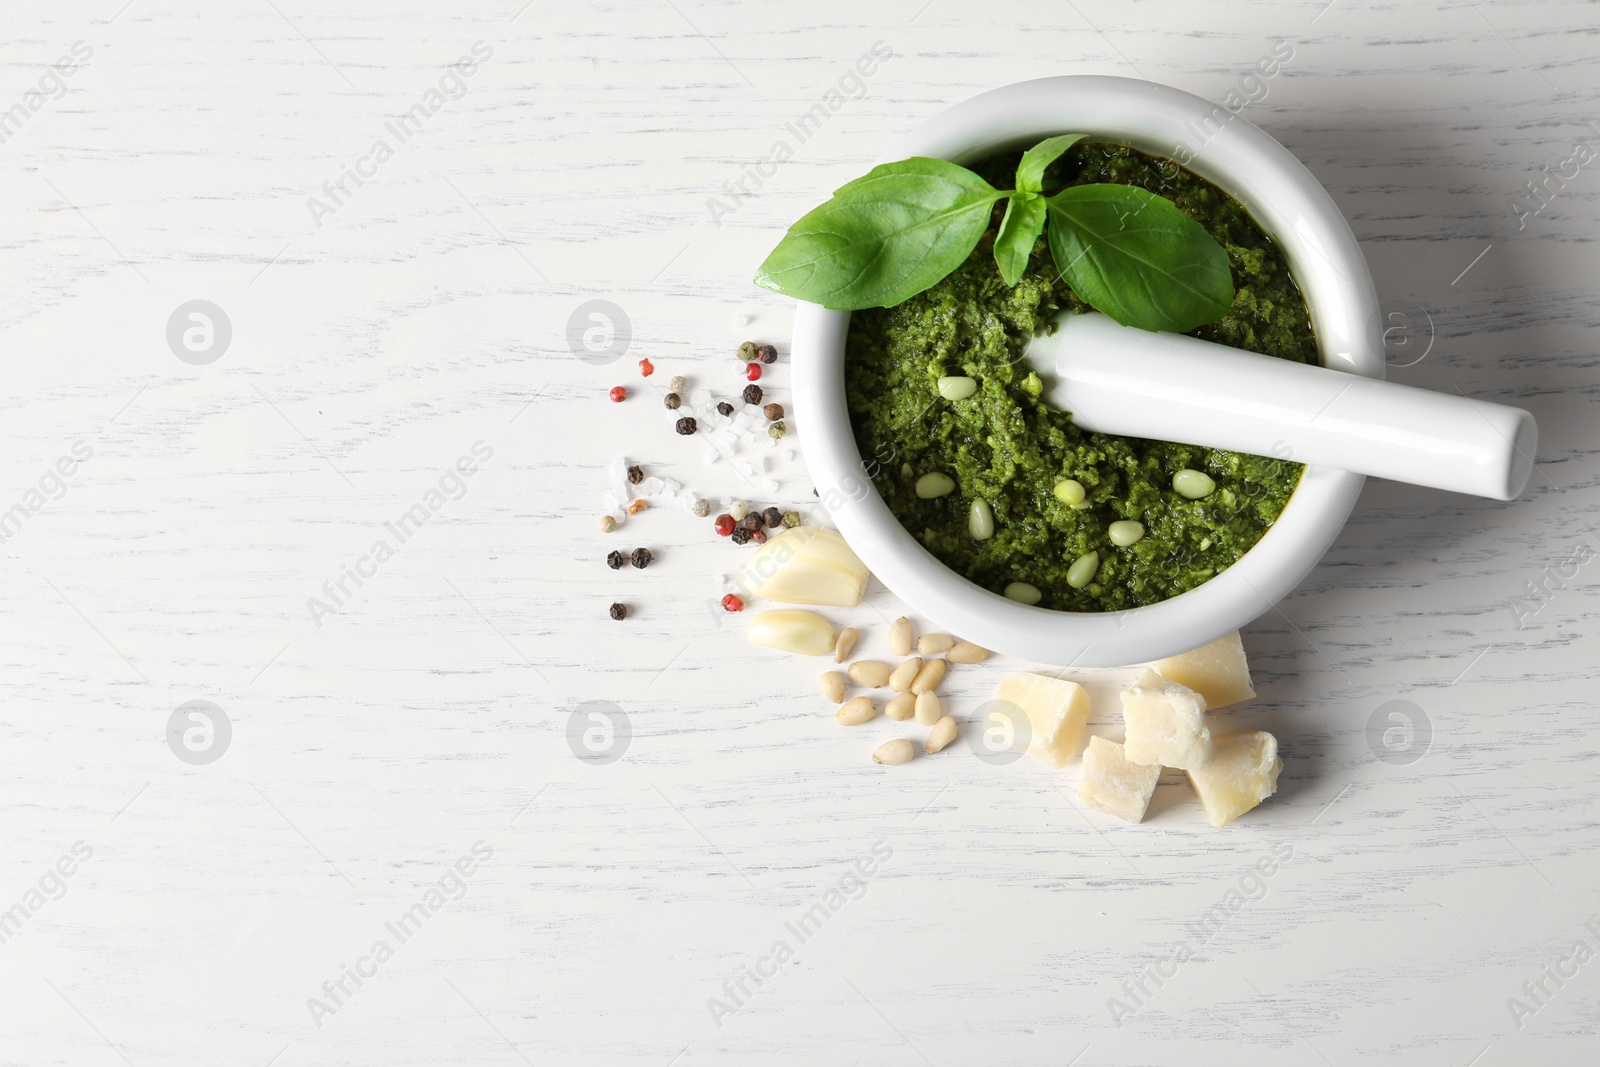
<point x="615" y="560"/>
<point x="686" y="426"/>
<point x="619" y="611"/>
<point x="641" y="558"/>
<point x="635" y="474"/>
<point x="767" y="354"/>
<point x="752" y="394"/>
<point x="772" y="517"/>
<point x="672" y="400"/>
<point x="773" y="412"/>
<point x="740" y="536"/>
<point x="752" y="521"/>
<point x="724" y="409"/>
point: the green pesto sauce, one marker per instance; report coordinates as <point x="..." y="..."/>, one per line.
<point x="1009" y="448"/>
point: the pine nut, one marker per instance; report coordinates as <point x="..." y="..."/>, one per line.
<point x="900" y="637"/>
<point x="902" y="707"/>
<point x="847" y="644"/>
<point x="929" y="710"/>
<point x="832" y="684"/>
<point x="870" y="673"/>
<point x="929" y="677"/>
<point x="941" y="736"/>
<point x="855" y="712"/>
<point x="933" y="644"/>
<point x="905" y="674"/>
<point x="967" y="652"/>
<point x="893" y="753"/>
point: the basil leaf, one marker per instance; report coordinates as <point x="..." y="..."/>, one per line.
<point x="1030" y="172"/>
<point x="1138" y="258"/>
<point x="1018" y="231"/>
<point x="884" y="237"/>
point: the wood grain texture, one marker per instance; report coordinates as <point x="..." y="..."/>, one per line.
<point x="429" y="312"/>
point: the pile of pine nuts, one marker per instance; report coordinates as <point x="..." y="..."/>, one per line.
<point x="914" y="681"/>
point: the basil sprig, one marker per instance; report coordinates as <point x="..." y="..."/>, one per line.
<point x="904" y="226"/>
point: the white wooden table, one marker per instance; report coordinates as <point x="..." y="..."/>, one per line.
<point x="212" y="908"/>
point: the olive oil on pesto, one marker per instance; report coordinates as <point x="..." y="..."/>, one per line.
<point x="1004" y="445"/>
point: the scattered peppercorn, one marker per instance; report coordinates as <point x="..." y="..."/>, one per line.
<point x="752" y="394"/>
<point x="686" y="426"/>
<point x="791" y="519"/>
<point x="752" y="521"/>
<point x="702" y="508"/>
<point x="772" y="517"/>
<point x="608" y="523"/>
<point x="738" y="509"/>
<point x="753" y="372"/>
<point x="748" y="351"/>
<point x="672" y="400"/>
<point x="741" y="536"/>
<point x="638" y="506"/>
<point x="641" y="558"/>
<point x="725" y="525"/>
<point x="679" y="384"/>
<point x="646" y="368"/>
<point x="619" y="611"/>
<point x="773" y="412"/>
<point x="724" y="409"/>
<point x="732" y="603"/>
<point x="777" y="430"/>
<point x="615" y="560"/>
<point x="758" y="537"/>
<point x="618" y="394"/>
<point x="635" y="474"/>
<point x="767" y="354"/>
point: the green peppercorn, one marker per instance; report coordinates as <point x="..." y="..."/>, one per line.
<point x="791" y="519"/>
<point x="777" y="430"/>
<point x="749" y="350"/>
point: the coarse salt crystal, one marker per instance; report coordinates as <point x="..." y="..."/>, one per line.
<point x="710" y="455"/>
<point x="769" y="485"/>
<point x="650" y="487"/>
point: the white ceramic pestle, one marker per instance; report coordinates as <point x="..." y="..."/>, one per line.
<point x="1172" y="387"/>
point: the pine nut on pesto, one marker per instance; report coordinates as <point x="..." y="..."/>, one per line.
<point x="1055" y="493"/>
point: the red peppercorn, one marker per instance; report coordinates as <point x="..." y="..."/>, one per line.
<point x="732" y="603"/>
<point x="758" y="537"/>
<point x="618" y="394"/>
<point x="752" y="371"/>
<point x="725" y="525"/>
<point x="646" y="368"/>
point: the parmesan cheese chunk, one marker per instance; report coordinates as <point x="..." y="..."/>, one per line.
<point x="1112" y="784"/>
<point x="1166" y="724"/>
<point x="1217" y="671"/>
<point x="1057" y="712"/>
<point x="1244" y="774"/>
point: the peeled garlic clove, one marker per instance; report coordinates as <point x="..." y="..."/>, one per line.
<point x="928" y="709"/>
<point x="847" y="644"/>
<point x="806" y="565"/>
<point x="805" y="633"/>
<point x="933" y="644"/>
<point x="832" y="685"/>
